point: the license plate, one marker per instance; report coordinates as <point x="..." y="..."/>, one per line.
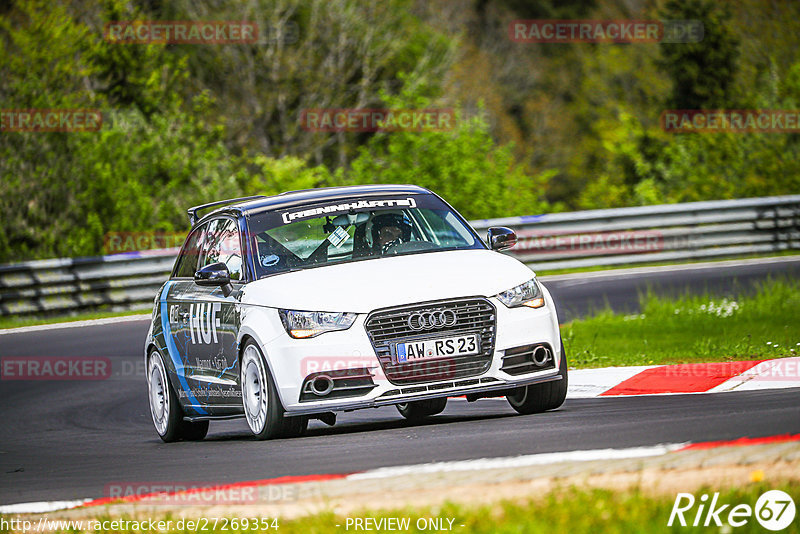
<point x="436" y="348"/>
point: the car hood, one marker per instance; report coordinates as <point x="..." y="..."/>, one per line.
<point x="363" y="286"/>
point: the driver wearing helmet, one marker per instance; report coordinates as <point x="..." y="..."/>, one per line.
<point x="389" y="230"/>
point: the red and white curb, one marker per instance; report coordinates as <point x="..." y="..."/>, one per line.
<point x="512" y="462"/>
<point x="685" y="378"/>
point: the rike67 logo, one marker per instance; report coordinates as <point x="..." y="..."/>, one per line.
<point x="774" y="510"/>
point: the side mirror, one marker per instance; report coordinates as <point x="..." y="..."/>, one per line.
<point x="215" y="275"/>
<point x="501" y="238"/>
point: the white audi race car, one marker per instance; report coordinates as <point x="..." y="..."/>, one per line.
<point x="297" y="306"/>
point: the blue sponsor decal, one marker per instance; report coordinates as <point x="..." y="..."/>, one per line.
<point x="400" y="352"/>
<point x="172" y="350"/>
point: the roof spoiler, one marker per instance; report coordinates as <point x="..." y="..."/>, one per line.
<point x="192" y="212"/>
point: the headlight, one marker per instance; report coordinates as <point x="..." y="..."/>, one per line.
<point x="301" y="324"/>
<point x="528" y="294"/>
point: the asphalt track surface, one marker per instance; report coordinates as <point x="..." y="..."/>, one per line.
<point x="69" y="439"/>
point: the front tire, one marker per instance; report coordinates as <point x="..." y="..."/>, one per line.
<point x="165" y="409"/>
<point x="262" y="406"/>
<point x="538" y="398"/>
<point x="419" y="410"/>
<point x="194" y="431"/>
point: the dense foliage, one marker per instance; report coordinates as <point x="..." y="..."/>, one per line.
<point x="541" y="127"/>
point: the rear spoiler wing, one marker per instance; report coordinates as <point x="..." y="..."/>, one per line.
<point x="192" y="212"/>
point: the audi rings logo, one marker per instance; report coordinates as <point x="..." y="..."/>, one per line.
<point x="428" y="320"/>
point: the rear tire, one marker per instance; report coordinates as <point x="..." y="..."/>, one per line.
<point x="262" y="406"/>
<point x="538" y="398"/>
<point x="419" y="410"/>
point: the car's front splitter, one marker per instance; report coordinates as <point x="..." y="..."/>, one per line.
<point x="432" y="391"/>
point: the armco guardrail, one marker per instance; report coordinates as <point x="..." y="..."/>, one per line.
<point x="123" y="281"/>
<point x="665" y="233"/>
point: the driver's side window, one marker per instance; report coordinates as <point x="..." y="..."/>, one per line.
<point x="220" y="242"/>
<point x="187" y="263"/>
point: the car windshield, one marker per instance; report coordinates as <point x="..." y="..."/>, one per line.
<point x="342" y="230"/>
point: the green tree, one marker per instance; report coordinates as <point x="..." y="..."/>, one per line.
<point x="702" y="73"/>
<point x="466" y="166"/>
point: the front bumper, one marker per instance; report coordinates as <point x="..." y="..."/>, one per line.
<point x="292" y="361"/>
<point x="434" y="390"/>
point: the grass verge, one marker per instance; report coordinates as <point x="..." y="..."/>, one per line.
<point x="691" y="329"/>
<point x="17" y="322"/>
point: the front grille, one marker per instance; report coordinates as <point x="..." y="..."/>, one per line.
<point x="390" y="326"/>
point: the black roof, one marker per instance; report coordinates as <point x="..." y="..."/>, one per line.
<point x="307" y="196"/>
